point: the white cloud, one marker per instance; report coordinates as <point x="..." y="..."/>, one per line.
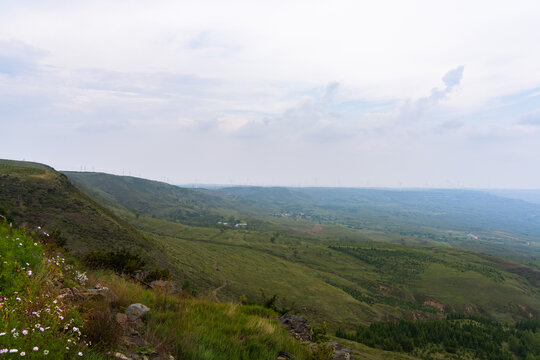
<point x="195" y="82"/>
<point x="389" y="49"/>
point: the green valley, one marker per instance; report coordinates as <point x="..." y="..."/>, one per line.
<point x="347" y="266"/>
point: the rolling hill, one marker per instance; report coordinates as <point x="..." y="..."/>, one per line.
<point x="341" y="275"/>
<point x="472" y="220"/>
<point x="36" y="195"/>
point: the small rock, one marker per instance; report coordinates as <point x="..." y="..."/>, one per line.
<point x="121" y="356"/>
<point x="135" y="311"/>
<point x="167" y="286"/>
<point x="66" y="292"/>
<point x="121" y="319"/>
<point x="139" y="275"/>
<point x="285" y="355"/>
<point x="340" y="352"/>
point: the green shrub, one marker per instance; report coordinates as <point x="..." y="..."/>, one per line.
<point x="54" y="239"/>
<point x="320" y="335"/>
<point x="121" y="261"/>
<point x="163" y="274"/>
<point x="269" y="303"/>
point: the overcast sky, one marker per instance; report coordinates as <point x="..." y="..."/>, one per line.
<point x="325" y="93"/>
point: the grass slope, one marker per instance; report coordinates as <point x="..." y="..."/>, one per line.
<point x="467" y="219"/>
<point x="157" y="199"/>
<point x="36" y="195"/>
<point x="345" y="282"/>
<point x="38" y="325"/>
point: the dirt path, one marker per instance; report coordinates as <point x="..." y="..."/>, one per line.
<point x="214" y="292"/>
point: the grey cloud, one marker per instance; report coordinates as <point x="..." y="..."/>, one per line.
<point x="413" y="110"/>
<point x="448" y="126"/>
<point x="530" y="118"/>
<point x="453" y="77"/>
<point x="330" y="92"/>
<point x="311" y="119"/>
<point x="451" y="125"/>
<point x="327" y="132"/>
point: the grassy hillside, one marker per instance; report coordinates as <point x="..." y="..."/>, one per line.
<point x="37" y="323"/>
<point x="349" y="283"/>
<point x="472" y="220"/>
<point x="37" y="196"/>
<point x="157" y="199"/>
<point x="344" y="280"/>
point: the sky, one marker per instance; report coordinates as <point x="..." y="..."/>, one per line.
<point x="298" y="93"/>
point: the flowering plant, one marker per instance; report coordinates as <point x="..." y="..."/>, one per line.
<point x="33" y="323"/>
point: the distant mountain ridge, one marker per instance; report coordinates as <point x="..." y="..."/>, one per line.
<point x="532" y="196"/>
<point x="463" y="210"/>
<point x="466" y="210"/>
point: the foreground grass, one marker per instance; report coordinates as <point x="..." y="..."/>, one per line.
<point x="33" y="323"/>
<point x="196" y="329"/>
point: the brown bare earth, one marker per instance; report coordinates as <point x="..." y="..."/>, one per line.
<point x="316" y="230"/>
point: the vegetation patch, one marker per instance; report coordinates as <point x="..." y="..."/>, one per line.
<point x="34" y="324"/>
<point x="467" y="337"/>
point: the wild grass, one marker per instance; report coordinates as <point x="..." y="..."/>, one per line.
<point x="195" y="329"/>
<point x="223" y="331"/>
<point x="34" y="324"/>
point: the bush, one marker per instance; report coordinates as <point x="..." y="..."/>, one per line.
<point x="269" y="303"/>
<point x="163" y="274"/>
<point x="5" y="216"/>
<point x="320" y="334"/>
<point x="53" y="240"/>
<point x="121" y="261"/>
<point x="188" y="287"/>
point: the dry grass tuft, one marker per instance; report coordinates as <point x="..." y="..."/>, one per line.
<point x="101" y="327"/>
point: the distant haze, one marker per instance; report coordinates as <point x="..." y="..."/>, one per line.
<point x="300" y="93"/>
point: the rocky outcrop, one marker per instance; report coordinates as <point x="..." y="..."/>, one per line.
<point x="77" y="294"/>
<point x="298" y="326"/>
<point x="300" y="329"/>
<point x="131" y="323"/>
